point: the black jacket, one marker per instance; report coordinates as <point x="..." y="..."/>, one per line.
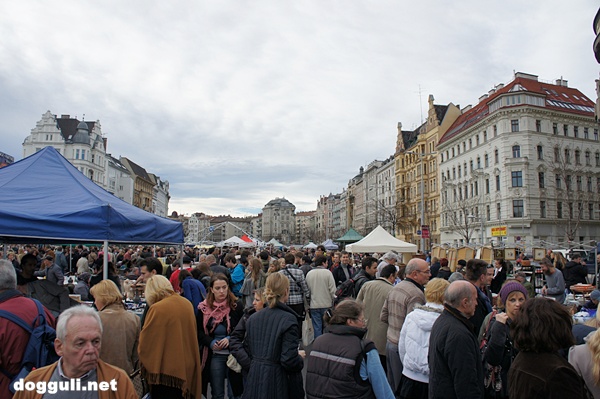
<point x="574" y="273"/>
<point x="454" y="358"/>
<point x="498" y="281"/>
<point x="500" y="350"/>
<point x="338" y="274"/>
<point x="272" y="337"/>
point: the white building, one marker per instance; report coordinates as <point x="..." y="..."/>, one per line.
<point x="160" y="196"/>
<point x="81" y="142"/>
<point x="278" y="221"/>
<point x="198" y="228"/>
<point x="119" y="180"/>
<point x="525" y="159"/>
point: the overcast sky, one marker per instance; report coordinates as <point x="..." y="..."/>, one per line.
<point x="238" y="102"/>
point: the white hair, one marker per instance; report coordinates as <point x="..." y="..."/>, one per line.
<point x="390" y="255"/>
<point x="8" y="275"/>
<point x="75" y="311"/>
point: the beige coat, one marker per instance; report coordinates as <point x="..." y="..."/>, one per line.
<point x="401" y="300"/>
<point x="373" y="294"/>
<point x="120" y="336"/>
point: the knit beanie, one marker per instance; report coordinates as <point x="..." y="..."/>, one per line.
<point x="511" y="287"/>
<point x="595" y="295"/>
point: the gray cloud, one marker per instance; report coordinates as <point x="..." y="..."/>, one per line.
<point x="238" y="102"/>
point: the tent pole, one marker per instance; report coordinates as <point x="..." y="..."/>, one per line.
<point x="70" y="259"/>
<point x="105" y="268"/>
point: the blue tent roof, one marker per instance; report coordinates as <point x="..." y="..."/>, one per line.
<point x="46" y="199"/>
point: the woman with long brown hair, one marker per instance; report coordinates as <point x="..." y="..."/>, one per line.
<point x="255" y="279"/>
<point x="218" y="315"/>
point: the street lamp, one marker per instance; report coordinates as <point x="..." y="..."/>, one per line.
<point x="422" y="155"/>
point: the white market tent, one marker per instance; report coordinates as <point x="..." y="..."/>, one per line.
<point x="275" y="243"/>
<point x="380" y="240"/>
<point x="310" y="245"/>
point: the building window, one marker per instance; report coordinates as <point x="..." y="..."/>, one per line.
<point x="588" y="158"/>
<point x="568" y="182"/>
<point x="514" y="125"/>
<point x="597" y="155"/>
<point x="538" y="125"/>
<point x="487" y="213"/>
<point x="470" y="144"/>
<point x="589" y="185"/>
<point x="543" y="209"/>
<point x="83" y="154"/>
<point x="591" y="211"/>
<point x="518" y="208"/>
<point x="586" y="133"/>
<point x="471" y="165"/>
<point x="576" y="132"/>
<point x="567" y="156"/>
<point x="477" y="139"/>
<point x="486" y="160"/>
<point x="478" y="162"/>
<point x="453" y="174"/>
<point x="566" y="130"/>
<point x="459" y="171"/>
<point x="487" y="186"/>
<point x="558" y="182"/>
<point x="485" y="136"/>
<point x="497" y="182"/>
<point x="559" y="210"/>
<point x="571" y="214"/>
<point x="541" y="179"/>
<point x="579" y="183"/>
<point x="540" y="153"/>
<point x="516" y="151"/>
<point x="495" y="130"/>
<point x="596" y="134"/>
<point x="77" y="153"/>
<point x="555" y="128"/>
<point x="577" y="157"/>
<point x="496" y="156"/>
<point x="498" y="211"/>
<point x="517" y="178"/>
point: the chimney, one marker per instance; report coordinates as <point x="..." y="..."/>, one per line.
<point x="562" y="82"/>
<point x="65" y="116"/>
<point x="483" y="97"/>
<point x="466" y="109"/>
<point x="499" y="86"/>
<point x="526" y="76"/>
<point x="492" y="91"/>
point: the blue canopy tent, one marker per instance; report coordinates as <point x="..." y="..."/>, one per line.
<point x="46" y="199"/>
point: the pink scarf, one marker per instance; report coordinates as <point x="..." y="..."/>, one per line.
<point x="218" y="313"/>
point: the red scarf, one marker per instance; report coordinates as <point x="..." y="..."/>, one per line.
<point x="218" y="313"/>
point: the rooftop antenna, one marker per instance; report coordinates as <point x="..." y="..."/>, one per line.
<point x="83" y="118"/>
<point x="420" y="104"/>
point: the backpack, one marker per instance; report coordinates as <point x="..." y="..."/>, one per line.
<point x="39" y="351"/>
<point x="347" y="289"/>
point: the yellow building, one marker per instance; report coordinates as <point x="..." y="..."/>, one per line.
<point x="416" y="161"/>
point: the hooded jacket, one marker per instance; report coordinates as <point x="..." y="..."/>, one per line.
<point x="413" y="344"/>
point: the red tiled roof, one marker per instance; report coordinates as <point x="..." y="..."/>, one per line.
<point x="559" y="98"/>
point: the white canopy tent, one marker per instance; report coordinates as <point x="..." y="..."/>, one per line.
<point x="310" y="245"/>
<point x="380" y="240"/>
<point x="275" y="243"/>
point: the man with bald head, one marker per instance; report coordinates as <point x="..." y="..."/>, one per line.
<point x="455" y="369"/>
<point x="401" y="300"/>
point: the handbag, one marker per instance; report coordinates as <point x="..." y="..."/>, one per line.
<point x="233" y="364"/>
<point x="492" y="375"/>
<point x="308" y="331"/>
<point x="139" y="383"/>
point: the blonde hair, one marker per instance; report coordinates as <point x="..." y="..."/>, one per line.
<point x="593" y="344"/>
<point x="157" y="289"/>
<point x="595" y="322"/>
<point x="434" y="290"/>
<point x="106" y="292"/>
<point x="276" y="287"/>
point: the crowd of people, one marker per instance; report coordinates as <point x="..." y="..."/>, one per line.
<point x="229" y="323"/>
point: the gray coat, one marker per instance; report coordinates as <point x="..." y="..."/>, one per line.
<point x="373" y="294"/>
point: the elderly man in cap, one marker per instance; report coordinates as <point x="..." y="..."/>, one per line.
<point x="389" y="258"/>
<point x="78" y="342"/>
<point x="51" y="271"/>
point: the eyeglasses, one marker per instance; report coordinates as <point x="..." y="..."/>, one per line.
<point x="363" y="320"/>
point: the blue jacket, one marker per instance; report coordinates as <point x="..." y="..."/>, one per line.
<point x="237" y="279"/>
<point x="194" y="291"/>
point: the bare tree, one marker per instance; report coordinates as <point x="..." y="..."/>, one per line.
<point x="567" y="176"/>
<point x="459" y="214"/>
